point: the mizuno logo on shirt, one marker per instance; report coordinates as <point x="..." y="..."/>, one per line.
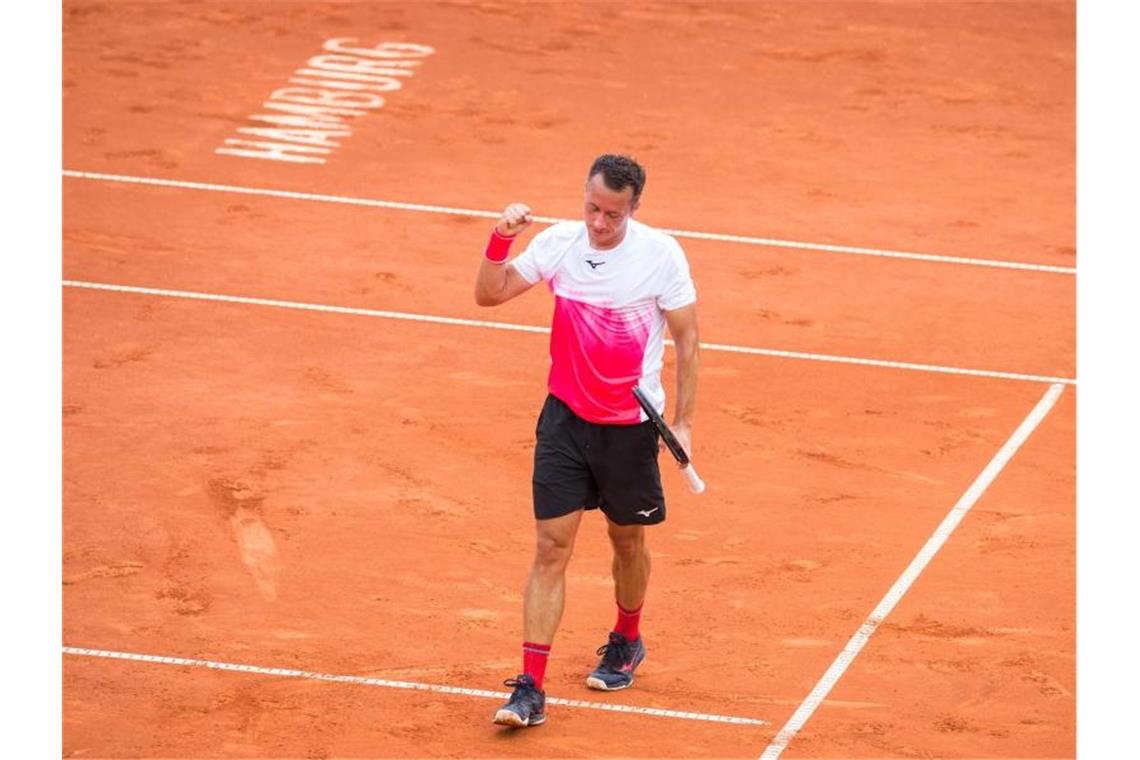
<point x="594" y="264"/>
<point x="647" y="512"/>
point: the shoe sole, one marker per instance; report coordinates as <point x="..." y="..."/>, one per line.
<point x="600" y="685"/>
<point x="512" y="719"/>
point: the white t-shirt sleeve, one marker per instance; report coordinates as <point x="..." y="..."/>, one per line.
<point x="535" y="263"/>
<point x="679" y="289"/>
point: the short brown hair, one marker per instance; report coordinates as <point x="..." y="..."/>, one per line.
<point x="619" y="172"/>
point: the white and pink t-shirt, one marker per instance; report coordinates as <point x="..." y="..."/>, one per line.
<point x="608" y="331"/>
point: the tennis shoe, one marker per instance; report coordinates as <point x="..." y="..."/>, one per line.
<point x="526" y="707"/>
<point x="620" y="658"/>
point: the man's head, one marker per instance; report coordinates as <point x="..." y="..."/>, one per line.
<point x="613" y="191"/>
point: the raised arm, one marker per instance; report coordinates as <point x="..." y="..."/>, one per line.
<point x="683" y="327"/>
<point x="497" y="281"/>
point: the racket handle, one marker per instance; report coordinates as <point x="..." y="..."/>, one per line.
<point x="696" y="485"/>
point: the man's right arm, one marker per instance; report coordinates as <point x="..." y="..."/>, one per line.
<point x="497" y="281"/>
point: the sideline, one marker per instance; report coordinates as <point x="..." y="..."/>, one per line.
<point x="455" y="321"/>
<point x="916" y="566"/>
<point x="454" y="211"/>
<point x="386" y="683"/>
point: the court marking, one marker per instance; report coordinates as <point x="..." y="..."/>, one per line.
<point x="916" y="566"/>
<point x="455" y="321"/>
<point x="455" y="211"/>
<point x="410" y="685"/>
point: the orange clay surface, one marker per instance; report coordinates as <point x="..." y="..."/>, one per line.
<point x="347" y="494"/>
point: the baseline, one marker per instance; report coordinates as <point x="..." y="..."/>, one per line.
<point x="916" y="566"/>
<point x="455" y="211"/>
<point x="386" y="683"/>
<point x="537" y="329"/>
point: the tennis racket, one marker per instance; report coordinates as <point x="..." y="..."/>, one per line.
<point x="696" y="485"/>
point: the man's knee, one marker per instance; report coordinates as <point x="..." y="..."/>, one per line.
<point x="552" y="549"/>
<point x="628" y="541"/>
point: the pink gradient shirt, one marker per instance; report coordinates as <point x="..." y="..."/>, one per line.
<point x="608" y="330"/>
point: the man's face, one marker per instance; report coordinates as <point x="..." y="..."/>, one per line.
<point x="607" y="212"/>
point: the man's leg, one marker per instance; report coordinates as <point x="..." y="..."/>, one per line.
<point x="625" y="650"/>
<point x="545" y="595"/>
<point x="631" y="564"/>
<point x="543" y="602"/>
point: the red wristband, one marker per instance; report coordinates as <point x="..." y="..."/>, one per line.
<point x="498" y="247"/>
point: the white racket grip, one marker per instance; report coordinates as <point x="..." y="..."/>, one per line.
<point x="696" y="485"/>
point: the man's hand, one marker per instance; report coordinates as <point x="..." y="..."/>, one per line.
<point x="515" y="219"/>
<point x="497" y="281"/>
<point x="684" y="435"/>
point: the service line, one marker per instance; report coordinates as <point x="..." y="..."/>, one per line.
<point x="386" y="683"/>
<point x="916" y="566"/>
<point x="456" y="211"/>
<point x="456" y="321"/>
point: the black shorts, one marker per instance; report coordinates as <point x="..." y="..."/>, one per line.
<point x="580" y="464"/>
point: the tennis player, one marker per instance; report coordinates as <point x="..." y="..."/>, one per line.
<point x="617" y="285"/>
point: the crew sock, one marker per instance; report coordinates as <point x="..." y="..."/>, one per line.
<point x="628" y="622"/>
<point x="534" y="661"/>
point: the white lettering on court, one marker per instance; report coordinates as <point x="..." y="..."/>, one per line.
<point x="305" y="122"/>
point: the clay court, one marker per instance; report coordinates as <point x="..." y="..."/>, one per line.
<point x="296" y="455"/>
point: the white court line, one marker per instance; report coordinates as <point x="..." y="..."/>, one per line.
<point x="917" y="565"/>
<point x="536" y="329"/>
<point x="455" y="211"/>
<point x="389" y="684"/>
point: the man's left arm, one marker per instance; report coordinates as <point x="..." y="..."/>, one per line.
<point x="683" y="328"/>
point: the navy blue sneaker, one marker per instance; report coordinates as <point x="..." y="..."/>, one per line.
<point x="619" y="659"/>
<point x="526" y="707"/>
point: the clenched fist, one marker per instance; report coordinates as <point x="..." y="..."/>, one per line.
<point x="515" y="219"/>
